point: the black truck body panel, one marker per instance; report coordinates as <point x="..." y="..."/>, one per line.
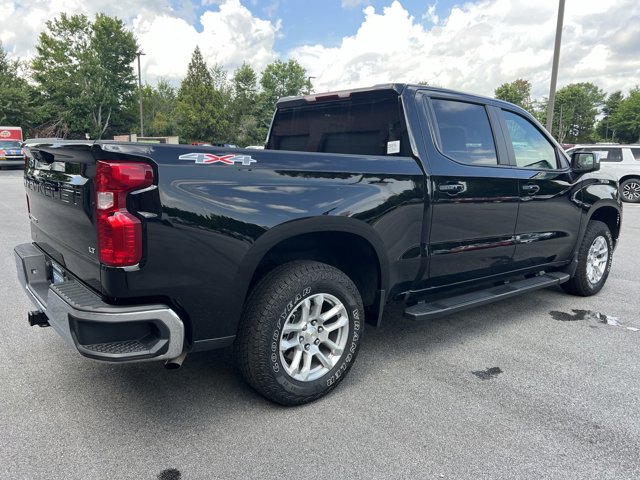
<point x="208" y="227"/>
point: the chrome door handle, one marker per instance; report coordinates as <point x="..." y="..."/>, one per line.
<point x="531" y="188"/>
<point x="451" y="188"/>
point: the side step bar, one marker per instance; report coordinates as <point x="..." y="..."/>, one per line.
<point x="439" y="308"/>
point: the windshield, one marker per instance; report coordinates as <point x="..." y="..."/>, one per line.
<point x="9" y="144"/>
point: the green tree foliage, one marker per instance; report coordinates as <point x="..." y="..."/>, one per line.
<point x="209" y="107"/>
<point x="517" y="92"/>
<point x="283" y="79"/>
<point x="84" y="72"/>
<point x="224" y="92"/>
<point x="16" y="96"/>
<point x="279" y="79"/>
<point x="200" y="107"/>
<point x="159" y="106"/>
<point x="539" y="110"/>
<point x="575" y="112"/>
<point x="625" y="121"/>
<point x="604" y="130"/>
<point x="243" y="107"/>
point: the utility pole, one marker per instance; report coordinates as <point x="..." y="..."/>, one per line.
<point x="554" y="68"/>
<point x="140" y="91"/>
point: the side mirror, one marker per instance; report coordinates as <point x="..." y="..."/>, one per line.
<point x="584" y="162"/>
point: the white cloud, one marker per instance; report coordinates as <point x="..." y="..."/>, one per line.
<point x="480" y="45"/>
<point x="20" y="37"/>
<point x="475" y="47"/>
<point x="229" y="36"/>
<point x="431" y="14"/>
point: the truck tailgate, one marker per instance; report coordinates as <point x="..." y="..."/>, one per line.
<point x="60" y="197"/>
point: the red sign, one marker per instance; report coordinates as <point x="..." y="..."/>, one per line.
<point x="11" y="133"/>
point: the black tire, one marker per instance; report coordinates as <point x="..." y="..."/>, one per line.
<point x="280" y="299"/>
<point x="630" y="190"/>
<point x="580" y="283"/>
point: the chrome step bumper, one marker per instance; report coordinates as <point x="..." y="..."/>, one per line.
<point x="96" y="329"/>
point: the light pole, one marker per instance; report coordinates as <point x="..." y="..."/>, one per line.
<point x="554" y="68"/>
<point x="140" y="91"/>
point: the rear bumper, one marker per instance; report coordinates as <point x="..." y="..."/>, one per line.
<point x="96" y="329"/>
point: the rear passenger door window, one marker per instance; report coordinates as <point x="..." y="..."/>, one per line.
<point x="610" y="155"/>
<point x="464" y="132"/>
<point x="531" y="148"/>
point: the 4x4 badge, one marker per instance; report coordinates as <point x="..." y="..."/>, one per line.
<point x="211" y="158"/>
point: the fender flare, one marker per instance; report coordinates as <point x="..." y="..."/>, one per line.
<point x="602" y="204"/>
<point x="291" y="229"/>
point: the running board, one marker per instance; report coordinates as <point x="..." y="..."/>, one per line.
<point x="445" y="306"/>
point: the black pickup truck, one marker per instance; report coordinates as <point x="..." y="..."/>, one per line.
<point x="395" y="193"/>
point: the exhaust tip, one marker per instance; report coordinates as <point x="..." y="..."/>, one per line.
<point x="175" y="363"/>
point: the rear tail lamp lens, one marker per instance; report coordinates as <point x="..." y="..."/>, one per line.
<point x="119" y="232"/>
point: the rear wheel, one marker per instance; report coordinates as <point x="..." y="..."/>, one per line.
<point x="300" y="332"/>
<point x="630" y="190"/>
<point x="594" y="261"/>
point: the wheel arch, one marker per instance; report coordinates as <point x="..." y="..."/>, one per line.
<point x="629" y="176"/>
<point x="609" y="215"/>
<point x="345" y="243"/>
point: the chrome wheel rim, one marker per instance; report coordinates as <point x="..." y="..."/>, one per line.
<point x="314" y="337"/>
<point x="631" y="191"/>
<point x="597" y="260"/>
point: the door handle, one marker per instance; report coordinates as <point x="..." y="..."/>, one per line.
<point x="452" y="188"/>
<point x="531" y="188"/>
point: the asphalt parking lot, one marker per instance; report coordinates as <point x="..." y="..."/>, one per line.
<point x="545" y="386"/>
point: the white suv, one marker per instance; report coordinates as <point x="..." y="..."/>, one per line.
<point x="620" y="161"/>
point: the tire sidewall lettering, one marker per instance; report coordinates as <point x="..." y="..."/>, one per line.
<point x="275" y="357"/>
<point x="353" y="348"/>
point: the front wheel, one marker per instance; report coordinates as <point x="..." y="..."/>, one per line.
<point x="300" y="332"/>
<point x="594" y="261"/>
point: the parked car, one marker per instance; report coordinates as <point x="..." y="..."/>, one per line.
<point x="11" y="154"/>
<point x="431" y="198"/>
<point x="620" y="161"/>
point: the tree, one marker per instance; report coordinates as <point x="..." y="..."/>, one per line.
<point x="224" y="93"/>
<point x="84" y="71"/>
<point x="608" y="110"/>
<point x="159" y="109"/>
<point x="16" y="96"/>
<point x="279" y="79"/>
<point x="200" y="107"/>
<point x="625" y="121"/>
<point x="575" y="112"/>
<point x="517" y="92"/>
<point x="243" y="107"/>
<point x="283" y="79"/>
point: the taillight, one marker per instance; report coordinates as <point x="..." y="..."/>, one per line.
<point x="119" y="232"/>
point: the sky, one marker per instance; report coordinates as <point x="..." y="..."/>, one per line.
<point x="472" y="46"/>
